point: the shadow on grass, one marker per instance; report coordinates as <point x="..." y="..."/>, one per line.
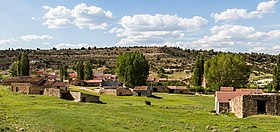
<point x="156" y="97"/>
<point x="100" y="102"/>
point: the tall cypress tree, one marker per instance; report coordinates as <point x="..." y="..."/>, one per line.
<point x="88" y="71"/>
<point x="24" y="65"/>
<point x="63" y="72"/>
<point x="80" y="70"/>
<point x="18" y="65"/>
<point x="198" y="72"/>
<point x="276" y="75"/>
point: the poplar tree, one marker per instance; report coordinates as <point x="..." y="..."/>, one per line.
<point x="24" y="64"/>
<point x="88" y="71"/>
<point x="276" y="75"/>
<point x="198" y="72"/>
<point x="80" y="70"/>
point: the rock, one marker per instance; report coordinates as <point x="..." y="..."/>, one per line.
<point x="236" y="130"/>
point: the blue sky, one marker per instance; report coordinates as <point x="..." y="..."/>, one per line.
<point x="238" y="26"/>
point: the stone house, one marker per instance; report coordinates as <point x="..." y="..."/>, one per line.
<point x="253" y="104"/>
<point x="223" y="98"/>
<point x="114" y="90"/>
<point x="56" y="92"/>
<point x="160" y="89"/>
<point x="142" y="91"/>
<point x="94" y="83"/>
<point x="178" y="89"/>
<point x="25" y="84"/>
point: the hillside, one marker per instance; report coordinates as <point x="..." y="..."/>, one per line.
<point x="170" y="112"/>
<point x="168" y="57"/>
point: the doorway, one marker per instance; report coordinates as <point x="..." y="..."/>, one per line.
<point x="261" y="107"/>
<point x="83" y="99"/>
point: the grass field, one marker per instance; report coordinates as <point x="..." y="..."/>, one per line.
<point x="173" y="112"/>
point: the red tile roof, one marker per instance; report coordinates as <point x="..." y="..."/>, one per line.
<point x="144" y="88"/>
<point x="60" y="84"/>
<point x="223" y="96"/>
<point x="227" y="89"/>
<point x="94" y="81"/>
<point x="177" y="87"/>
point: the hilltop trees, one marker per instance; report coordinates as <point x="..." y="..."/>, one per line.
<point x="226" y="70"/>
<point x="132" y="68"/>
<point x="198" y="72"/>
<point x="276" y="75"/>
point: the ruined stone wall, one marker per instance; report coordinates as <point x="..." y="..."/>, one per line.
<point x="160" y="89"/>
<point x="89" y="98"/>
<point x="76" y="96"/>
<point x="236" y="106"/>
<point x="123" y="92"/>
<point x="250" y="106"/>
<point x="53" y="92"/>
<point x="35" y="90"/>
<point x="20" y="87"/>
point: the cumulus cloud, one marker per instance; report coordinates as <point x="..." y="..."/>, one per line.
<point x="234" y="14"/>
<point x="36" y="37"/>
<point x="274" y="49"/>
<point x="7" y="41"/>
<point x="82" y="16"/>
<point x="151" y="29"/>
<point x="230" y="37"/>
<point x="35" y="18"/>
<point x="69" y="45"/>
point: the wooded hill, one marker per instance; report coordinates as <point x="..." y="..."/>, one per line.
<point x="168" y="57"/>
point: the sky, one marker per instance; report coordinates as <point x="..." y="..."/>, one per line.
<point x="235" y="25"/>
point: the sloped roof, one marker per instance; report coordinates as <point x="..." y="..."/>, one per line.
<point x="94" y="81"/>
<point x="223" y="96"/>
<point x="227" y="89"/>
<point x="177" y="87"/>
<point x="60" y="84"/>
<point x="144" y="88"/>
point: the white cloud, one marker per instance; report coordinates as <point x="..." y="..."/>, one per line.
<point x="274" y="49"/>
<point x="35" y="18"/>
<point x="233" y="14"/>
<point x="151" y="29"/>
<point x="82" y="16"/>
<point x="36" y="37"/>
<point x="68" y="45"/>
<point x="7" y="41"/>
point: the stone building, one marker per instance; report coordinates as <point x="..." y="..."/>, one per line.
<point x="114" y="90"/>
<point x="82" y="97"/>
<point x="25" y="84"/>
<point x="246" y="102"/>
<point x="178" y="89"/>
<point x="142" y="91"/>
<point x="253" y="104"/>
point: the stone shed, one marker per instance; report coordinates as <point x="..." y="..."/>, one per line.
<point x="25" y="84"/>
<point x="83" y="97"/>
<point x="114" y="90"/>
<point x="142" y="91"/>
<point x="56" y="92"/>
<point x="178" y="89"/>
<point x="223" y="98"/>
<point x="253" y="104"/>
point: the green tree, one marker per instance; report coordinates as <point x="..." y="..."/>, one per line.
<point x="88" y="70"/>
<point x="13" y="70"/>
<point x="132" y="68"/>
<point x="226" y="70"/>
<point x="276" y="75"/>
<point x="24" y="64"/>
<point x="63" y="72"/>
<point x="18" y="65"/>
<point x="80" y="70"/>
<point x="197" y="77"/>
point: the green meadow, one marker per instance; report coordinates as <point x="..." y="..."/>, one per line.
<point x="168" y="112"/>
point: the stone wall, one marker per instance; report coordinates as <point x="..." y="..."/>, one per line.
<point x="250" y="106"/>
<point x="82" y="97"/>
<point x="53" y="92"/>
<point x="160" y="89"/>
<point x="181" y="91"/>
<point x="236" y="106"/>
<point x="26" y="88"/>
<point x="147" y="93"/>
<point x="124" y="92"/>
